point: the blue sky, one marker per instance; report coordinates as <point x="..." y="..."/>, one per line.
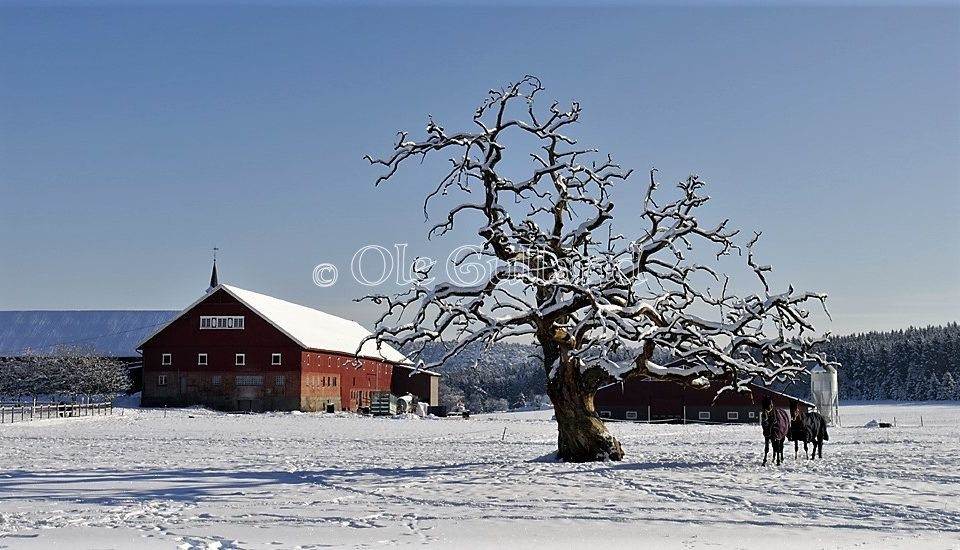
<point x="134" y="139"/>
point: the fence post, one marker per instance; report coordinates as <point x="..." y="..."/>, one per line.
<point x="684" y="414"/>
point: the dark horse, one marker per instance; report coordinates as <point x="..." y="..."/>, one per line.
<point x="809" y="427"/>
<point x="775" y="423"/>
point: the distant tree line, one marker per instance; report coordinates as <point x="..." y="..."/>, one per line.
<point x="914" y="364"/>
<point x="491" y="378"/>
<point x="65" y="374"/>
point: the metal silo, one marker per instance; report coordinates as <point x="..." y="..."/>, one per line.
<point x="826" y="393"/>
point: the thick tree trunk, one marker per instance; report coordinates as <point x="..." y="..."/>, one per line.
<point x="582" y="435"/>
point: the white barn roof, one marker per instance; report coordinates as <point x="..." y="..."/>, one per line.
<point x="308" y="327"/>
<point x="107" y="333"/>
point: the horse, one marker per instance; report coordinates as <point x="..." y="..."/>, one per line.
<point x="775" y="423"/>
<point x="809" y="427"/>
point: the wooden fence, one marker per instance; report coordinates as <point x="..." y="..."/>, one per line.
<point x="28" y="411"/>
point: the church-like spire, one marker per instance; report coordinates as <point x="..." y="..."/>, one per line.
<point x="213" y="275"/>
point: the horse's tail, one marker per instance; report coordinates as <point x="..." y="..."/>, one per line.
<point x="823" y="428"/>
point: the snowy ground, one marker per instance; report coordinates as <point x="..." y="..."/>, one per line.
<point x="199" y="479"/>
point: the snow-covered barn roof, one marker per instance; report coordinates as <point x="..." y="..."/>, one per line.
<point x="781" y="394"/>
<point x="415" y="370"/>
<point x="308" y="327"/>
<point x="109" y="333"/>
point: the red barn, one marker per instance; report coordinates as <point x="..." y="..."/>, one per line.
<point x="667" y="401"/>
<point x="234" y="349"/>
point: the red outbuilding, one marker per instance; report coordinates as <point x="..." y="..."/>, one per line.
<point x="667" y="401"/>
<point x="234" y="349"/>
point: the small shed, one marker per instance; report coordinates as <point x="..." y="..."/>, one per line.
<point x="425" y="384"/>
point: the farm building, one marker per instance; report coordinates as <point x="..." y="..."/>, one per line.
<point x="234" y="349"/>
<point x="667" y="401"/>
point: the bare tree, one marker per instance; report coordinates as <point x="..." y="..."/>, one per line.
<point x="64" y="371"/>
<point x="588" y="296"/>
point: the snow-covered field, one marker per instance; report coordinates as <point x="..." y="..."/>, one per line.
<point x="200" y="479"/>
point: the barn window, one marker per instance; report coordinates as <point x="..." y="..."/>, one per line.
<point x="334" y="381"/>
<point x="241" y="359"/>
<point x="733" y="415"/>
<point x="280" y="380"/>
<point x="221" y="322"/>
<point x="162" y="380"/>
<point x="216" y="380"/>
<point x="604" y="414"/>
<point x="752" y="414"/>
<point x="631" y="415"/>
<point x="167" y="359"/>
<point x="275" y="359"/>
<point x="201" y="358"/>
<point x="704" y="415"/>
<point x="249" y="380"/>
